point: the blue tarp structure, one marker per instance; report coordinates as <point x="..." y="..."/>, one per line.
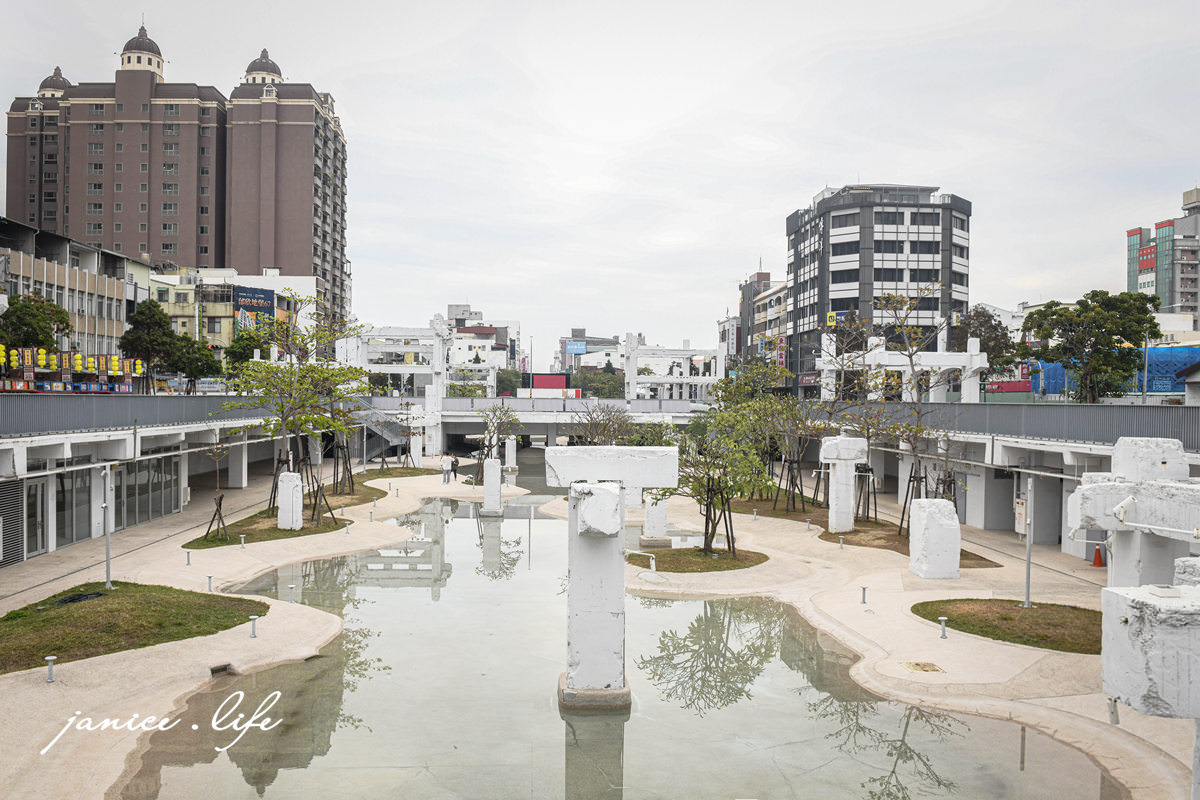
<point x="1164" y="363"/>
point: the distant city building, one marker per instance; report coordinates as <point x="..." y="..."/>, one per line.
<point x="1165" y="261"/>
<point x="857" y="243"/>
<point x="483" y="342"/>
<point x="176" y="174"/>
<point x="749" y="289"/>
<point x="568" y="357"/>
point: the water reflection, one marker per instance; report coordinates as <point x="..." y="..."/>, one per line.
<point x="594" y="755"/>
<point x="724" y="649"/>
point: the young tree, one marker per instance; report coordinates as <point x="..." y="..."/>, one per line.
<point x="33" y="321"/>
<point x="499" y="422"/>
<point x="149" y="338"/>
<point x="241" y="349"/>
<point x="600" y="424"/>
<point x="194" y="359"/>
<point x="993" y="339"/>
<point x="508" y="381"/>
<point x="305" y="395"/>
<point x="1099" y="341"/>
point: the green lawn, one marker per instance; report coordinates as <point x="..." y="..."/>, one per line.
<point x="126" y="617"/>
<point x="691" y="559"/>
<point x="1054" y="627"/>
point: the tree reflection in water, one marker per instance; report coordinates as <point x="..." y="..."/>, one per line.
<point x="724" y="650"/>
<point x="500" y="556"/>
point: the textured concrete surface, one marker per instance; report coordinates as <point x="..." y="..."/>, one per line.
<point x="935" y="540"/>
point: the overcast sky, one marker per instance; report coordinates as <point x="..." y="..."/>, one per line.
<point x="623" y="165"/>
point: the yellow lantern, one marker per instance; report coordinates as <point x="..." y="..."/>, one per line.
<point x="54" y="361"/>
<point x="137" y="367"/>
<point x="41" y="358"/>
<point x="3" y="354"/>
<point x="91" y="362"/>
<point x="14" y="358"/>
<point x="114" y="364"/>
<point x="79" y="362"/>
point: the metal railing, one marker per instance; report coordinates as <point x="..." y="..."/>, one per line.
<point x="33" y="414"/>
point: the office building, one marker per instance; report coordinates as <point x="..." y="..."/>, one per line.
<point x="856" y="243"/>
<point x="1165" y="261"/>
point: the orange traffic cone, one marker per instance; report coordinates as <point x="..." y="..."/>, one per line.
<point x="1097" y="559"/>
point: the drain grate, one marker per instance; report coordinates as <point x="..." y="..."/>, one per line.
<point x="922" y="666"/>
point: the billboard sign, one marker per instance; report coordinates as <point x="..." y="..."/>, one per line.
<point x="249" y="303"/>
<point x="576" y="348"/>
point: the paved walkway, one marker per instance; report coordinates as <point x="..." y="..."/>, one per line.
<point x="1054" y="692"/>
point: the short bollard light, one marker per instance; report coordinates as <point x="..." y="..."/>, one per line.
<point x="253" y="624"/>
<point x="373" y="503"/>
<point x="389" y="486"/>
<point x="210" y="583"/>
<point x="1114" y="716"/>
<point x="50" y="668"/>
<point x="864" y="600"/>
<point x="291" y="592"/>
<point x="756" y="515"/>
<point x="808" y="524"/>
<point x="347" y="527"/>
<point x="397" y="493"/>
<point x="189" y="558"/>
<point x="370" y="516"/>
<point x="943" y="621"/>
<point x="841" y="543"/>
<point x="653" y="568"/>
<point x="243" y="540"/>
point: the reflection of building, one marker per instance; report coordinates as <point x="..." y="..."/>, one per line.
<point x="416" y="562"/>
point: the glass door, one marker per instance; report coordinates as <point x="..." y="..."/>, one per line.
<point x="35" y="517"/>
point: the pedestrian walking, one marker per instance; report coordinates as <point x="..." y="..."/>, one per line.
<point x="454" y="467"/>
<point x="447" y="464"/>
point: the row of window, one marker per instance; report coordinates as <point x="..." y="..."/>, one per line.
<point x="75" y="301"/>
<point x="893" y="275"/>
<point x="169" y="109"/>
<point x="896" y="218"/>
<point x="895" y="246"/>
<point x="851" y="304"/>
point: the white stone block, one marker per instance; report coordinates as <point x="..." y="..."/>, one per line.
<point x="1187" y="571"/>
<point x="1139" y="458"/>
<point x="843" y="448"/>
<point x="510" y="451"/>
<point x="935" y="539"/>
<point x="655" y="526"/>
<point x="599" y="508"/>
<point x="491" y="487"/>
<point x="649" y="467"/>
<point x="1149" y="649"/>
<point x="290" y="512"/>
<point x="415" y="449"/>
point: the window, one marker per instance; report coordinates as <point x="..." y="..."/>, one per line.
<point x="162" y="296"/>
<point x="96" y="109"/>
<point x="49" y="177"/>
<point x="170" y="129"/>
<point x="170" y="209"/>
<point x="49" y="197"/>
<point x="143" y="167"/>
<point x="170" y="229"/>
<point x="203" y="249"/>
<point x="95" y="208"/>
<point x="118" y="187"/>
<point x="170" y="168"/>
<point x="142" y="248"/>
<point x="889" y="275"/>
<point x="204" y="171"/>
<point x="120" y="148"/>
<point x="117" y="208"/>
<point x="145" y="127"/>
<point x="960" y="223"/>
<point x="33" y="198"/>
<point x="33" y="141"/>
<point x="843" y="220"/>
<point x="145" y="149"/>
<point x="206" y="130"/>
<point x="145" y="107"/>
<point x="33" y="122"/>
<point x="925" y="248"/>
<point x="843" y="276"/>
<point x="214" y="325"/>
<point x="120" y="107"/>
<point x="924" y="218"/>
<point x="96" y="129"/>
<point x="204" y="211"/>
<point x="843" y="304"/>
<point x="928" y="304"/>
<point x="843" y="248"/>
<point x="95" y="168"/>
<point x="206" y="111"/>
<point x="889" y="246"/>
<point x="924" y="275"/>
<point x="95" y="148"/>
<point x="171" y="110"/>
<point x="205" y="151"/>
<point x="170" y="148"/>
<point x="182" y="297"/>
<point x="204" y="230"/>
<point x="141" y="228"/>
<point x="95" y="188"/>
<point x="169" y="249"/>
<point x="889" y="217"/>
<point x="47" y="158"/>
<point x="120" y="125"/>
<point x="204" y="191"/>
<point x="959" y="278"/>
<point x="142" y="207"/>
<point x="94" y="228"/>
<point x="958" y="250"/>
<point x="143" y="187"/>
<point x="116" y="227"/>
<point x="170" y="188"/>
<point x="48" y="138"/>
<point x="118" y="167"/>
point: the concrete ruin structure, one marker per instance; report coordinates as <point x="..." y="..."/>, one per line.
<point x="841" y="454"/>
<point x="936" y="368"/>
<point x="689" y="373"/>
<point x="491" y="489"/>
<point x="934" y="539"/>
<point x="595" y="476"/>
<point x="289" y="515"/>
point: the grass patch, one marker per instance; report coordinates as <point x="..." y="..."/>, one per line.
<point x="261" y="527"/>
<point x="886" y="538"/>
<point x="396" y="472"/>
<point x="692" y="559"/>
<point x="1053" y="627"/>
<point x="129" y="616"/>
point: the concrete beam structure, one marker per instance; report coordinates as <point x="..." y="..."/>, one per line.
<point x="842" y="453"/>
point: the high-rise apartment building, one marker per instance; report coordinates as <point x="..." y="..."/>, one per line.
<point x="178" y="175"/>
<point x="1165" y="262"/>
<point x="857" y="243"/>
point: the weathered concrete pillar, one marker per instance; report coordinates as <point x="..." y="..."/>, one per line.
<point x="841" y="453"/>
<point x="1149" y="506"/>
<point x="239" y="472"/>
<point x="551" y="435"/>
<point x="935" y="539"/>
<point x="971" y="374"/>
<point x="828" y="356"/>
<point x="510" y="451"/>
<point x="491" y="488"/>
<point x="654" y="529"/>
<point x="595" y="675"/>
<point x="290" y="513"/>
<point x="1150" y="638"/>
<point x="416" y="449"/>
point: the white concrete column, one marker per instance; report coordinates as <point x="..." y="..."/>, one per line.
<point x="290" y="513"/>
<point x="551" y="435"/>
<point x="935" y="539"/>
<point x="841" y="453"/>
<point x="238" y="470"/>
<point x="416" y="450"/>
<point x="596" y="590"/>
<point x="510" y="451"/>
<point x="491" y="488"/>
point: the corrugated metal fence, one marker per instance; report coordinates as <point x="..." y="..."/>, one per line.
<point x="28" y="414"/>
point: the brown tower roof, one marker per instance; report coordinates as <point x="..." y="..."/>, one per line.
<point x="142" y="43"/>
